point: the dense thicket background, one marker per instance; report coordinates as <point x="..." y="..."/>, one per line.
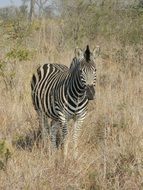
<point x="111" y="143"/>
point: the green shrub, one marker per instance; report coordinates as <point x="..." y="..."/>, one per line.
<point x="5" y="154"/>
<point x="21" y="54"/>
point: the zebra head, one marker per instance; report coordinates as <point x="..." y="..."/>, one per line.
<point x="86" y="59"/>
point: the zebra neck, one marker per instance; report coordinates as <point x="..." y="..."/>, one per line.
<point x="75" y="86"/>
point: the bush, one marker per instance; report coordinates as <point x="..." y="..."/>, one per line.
<point x="5" y="154"/>
<point x="19" y="54"/>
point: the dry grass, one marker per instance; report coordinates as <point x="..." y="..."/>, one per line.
<point x="111" y="143"/>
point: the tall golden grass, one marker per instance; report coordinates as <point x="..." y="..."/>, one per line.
<point x="111" y="142"/>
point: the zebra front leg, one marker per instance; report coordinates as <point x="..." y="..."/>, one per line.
<point x="76" y="134"/>
<point x="64" y="137"/>
<point x="55" y="137"/>
<point x="44" y="128"/>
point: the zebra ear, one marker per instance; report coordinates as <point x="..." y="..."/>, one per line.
<point x="87" y="54"/>
<point x="78" y="53"/>
<point x="96" y="51"/>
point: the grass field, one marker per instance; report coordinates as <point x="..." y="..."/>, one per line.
<point x="111" y="143"/>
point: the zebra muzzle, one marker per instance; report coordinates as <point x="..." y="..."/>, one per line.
<point x="90" y="92"/>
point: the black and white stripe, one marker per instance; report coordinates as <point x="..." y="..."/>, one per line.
<point x="62" y="94"/>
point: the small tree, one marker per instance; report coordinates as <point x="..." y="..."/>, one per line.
<point x="31" y="13"/>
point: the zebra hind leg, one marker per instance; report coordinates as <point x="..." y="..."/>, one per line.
<point x="55" y="134"/>
<point x="59" y="137"/>
<point x="44" y="125"/>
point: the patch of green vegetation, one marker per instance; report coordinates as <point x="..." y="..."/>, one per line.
<point x="5" y="154"/>
<point x="93" y="182"/>
<point x="19" y="54"/>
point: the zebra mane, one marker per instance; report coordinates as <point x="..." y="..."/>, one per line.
<point x="87" y="54"/>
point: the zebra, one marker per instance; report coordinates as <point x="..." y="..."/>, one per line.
<point x="60" y="93"/>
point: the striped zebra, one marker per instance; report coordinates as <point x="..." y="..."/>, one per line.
<point x="60" y="93"/>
